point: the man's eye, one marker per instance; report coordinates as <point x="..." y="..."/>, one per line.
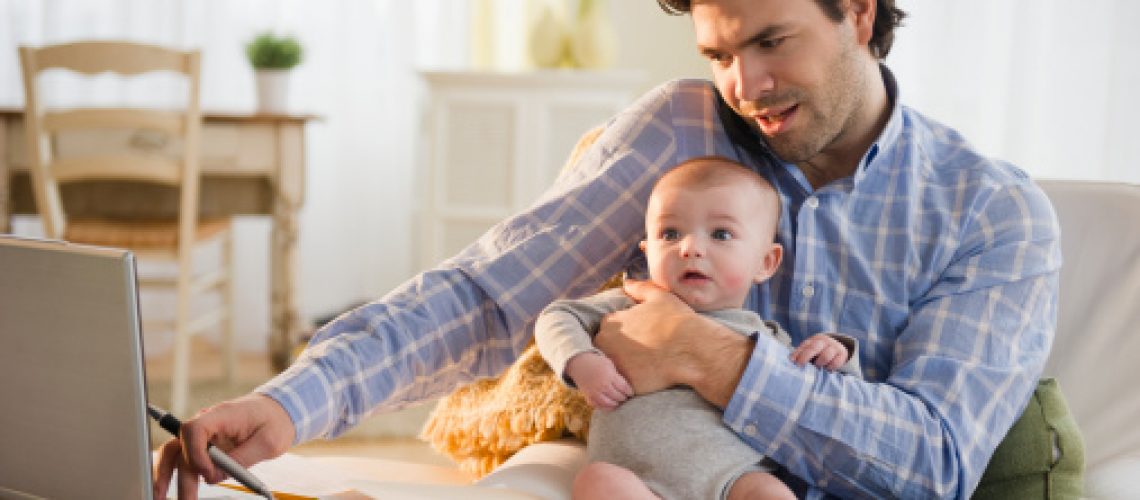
<point x="670" y="234"/>
<point x="771" y="43"/>
<point x="722" y="234"/>
<point x="720" y="59"/>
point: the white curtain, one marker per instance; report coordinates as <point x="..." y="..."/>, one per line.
<point x="1047" y="84"/>
<point x="358" y="75"/>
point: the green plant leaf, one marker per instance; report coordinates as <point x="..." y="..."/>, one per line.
<point x="268" y="51"/>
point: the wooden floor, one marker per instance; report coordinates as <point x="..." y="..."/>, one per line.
<point x="253" y="369"/>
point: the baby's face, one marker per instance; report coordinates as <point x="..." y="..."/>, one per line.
<point x="705" y="243"/>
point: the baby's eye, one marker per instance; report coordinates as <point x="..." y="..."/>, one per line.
<point x="721" y="234"/>
<point x="670" y="234"/>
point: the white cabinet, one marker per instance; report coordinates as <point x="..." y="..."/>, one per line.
<point x="493" y="142"/>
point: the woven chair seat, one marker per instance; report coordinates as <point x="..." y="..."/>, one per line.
<point x="146" y="234"/>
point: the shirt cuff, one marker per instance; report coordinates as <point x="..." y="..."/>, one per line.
<point x="304" y="395"/>
<point x="770" y="397"/>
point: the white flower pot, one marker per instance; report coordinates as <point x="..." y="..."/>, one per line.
<point x="272" y="90"/>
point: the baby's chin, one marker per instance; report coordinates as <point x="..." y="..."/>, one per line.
<point x="704" y="304"/>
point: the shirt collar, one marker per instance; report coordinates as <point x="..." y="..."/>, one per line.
<point x="889" y="136"/>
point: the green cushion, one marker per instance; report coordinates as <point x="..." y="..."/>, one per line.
<point x="1023" y="466"/>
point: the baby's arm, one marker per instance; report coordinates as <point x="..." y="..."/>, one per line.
<point x="564" y="334"/>
<point x="822" y="350"/>
<point x="598" y="379"/>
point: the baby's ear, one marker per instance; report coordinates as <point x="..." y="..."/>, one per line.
<point x="643" y="244"/>
<point x="769" y="262"/>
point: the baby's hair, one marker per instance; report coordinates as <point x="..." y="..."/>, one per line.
<point x="706" y="171"/>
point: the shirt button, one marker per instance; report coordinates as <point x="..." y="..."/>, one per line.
<point x="809" y="291"/>
<point x="750" y="430"/>
<point x="812" y="202"/>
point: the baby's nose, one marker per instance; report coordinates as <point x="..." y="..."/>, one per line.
<point x="692" y="246"/>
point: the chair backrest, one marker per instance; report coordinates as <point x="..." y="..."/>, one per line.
<point x="42" y="126"/>
<point x="1096" y="352"/>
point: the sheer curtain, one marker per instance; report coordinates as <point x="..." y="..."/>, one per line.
<point x="357" y="75"/>
<point x="1047" y="84"/>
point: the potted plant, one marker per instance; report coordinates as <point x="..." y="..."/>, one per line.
<point x="272" y="58"/>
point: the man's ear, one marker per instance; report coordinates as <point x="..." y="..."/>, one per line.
<point x="643" y="244"/>
<point x="769" y="262"/>
<point x="862" y="12"/>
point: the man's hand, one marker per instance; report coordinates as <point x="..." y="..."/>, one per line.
<point x="822" y="350"/>
<point x="598" y="379"/>
<point x="250" y="429"/>
<point x="661" y="342"/>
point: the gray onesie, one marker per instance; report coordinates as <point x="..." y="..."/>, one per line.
<point x="674" y="440"/>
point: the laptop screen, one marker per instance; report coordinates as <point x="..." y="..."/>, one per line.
<point x="73" y="418"/>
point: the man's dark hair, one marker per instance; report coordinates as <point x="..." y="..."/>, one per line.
<point x="887" y="18"/>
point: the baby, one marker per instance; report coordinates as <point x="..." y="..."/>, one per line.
<point x="710" y="230"/>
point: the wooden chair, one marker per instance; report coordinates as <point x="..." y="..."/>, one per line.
<point x="172" y="239"/>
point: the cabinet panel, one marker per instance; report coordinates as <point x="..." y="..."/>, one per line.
<point x="477" y="156"/>
<point x="497" y="141"/>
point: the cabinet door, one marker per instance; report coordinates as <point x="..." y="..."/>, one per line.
<point x="496" y="143"/>
<point x="472" y="166"/>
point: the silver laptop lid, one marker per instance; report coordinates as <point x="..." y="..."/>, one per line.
<point x="72" y="392"/>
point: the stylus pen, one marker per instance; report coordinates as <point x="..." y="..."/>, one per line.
<point x="234" y="469"/>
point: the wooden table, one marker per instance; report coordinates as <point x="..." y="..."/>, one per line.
<point x="252" y="164"/>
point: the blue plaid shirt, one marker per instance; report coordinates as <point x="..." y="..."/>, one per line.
<point x="941" y="262"/>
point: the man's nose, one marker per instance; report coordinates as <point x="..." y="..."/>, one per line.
<point x="753" y="78"/>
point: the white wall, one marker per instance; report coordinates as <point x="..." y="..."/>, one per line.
<point x="661" y="45"/>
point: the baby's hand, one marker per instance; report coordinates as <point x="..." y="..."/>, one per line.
<point x="598" y="379"/>
<point x="821" y="350"/>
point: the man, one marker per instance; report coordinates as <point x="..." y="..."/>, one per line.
<point x="942" y="263"/>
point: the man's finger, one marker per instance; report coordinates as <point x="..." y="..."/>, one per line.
<point x="194" y="442"/>
<point x="164" y="468"/>
<point x="187" y="482"/>
<point x="252" y="451"/>
<point x="641" y="290"/>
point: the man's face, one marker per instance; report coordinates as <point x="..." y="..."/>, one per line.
<point x="786" y="68"/>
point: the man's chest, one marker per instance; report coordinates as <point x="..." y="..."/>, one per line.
<point x="857" y="261"/>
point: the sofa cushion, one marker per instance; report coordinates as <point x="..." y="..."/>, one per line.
<point x="1042" y="456"/>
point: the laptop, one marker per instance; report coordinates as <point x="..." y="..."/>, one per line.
<point x="73" y="420"/>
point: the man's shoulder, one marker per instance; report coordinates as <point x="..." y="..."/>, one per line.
<point x="680" y="98"/>
<point x="946" y="158"/>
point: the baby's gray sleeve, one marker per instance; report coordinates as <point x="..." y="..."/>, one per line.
<point x="566" y="328"/>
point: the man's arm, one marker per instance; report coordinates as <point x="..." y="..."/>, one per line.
<point x="962" y="369"/>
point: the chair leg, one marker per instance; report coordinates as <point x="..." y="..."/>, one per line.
<point x="229" y="347"/>
<point x="180" y="392"/>
<point x="181" y="378"/>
